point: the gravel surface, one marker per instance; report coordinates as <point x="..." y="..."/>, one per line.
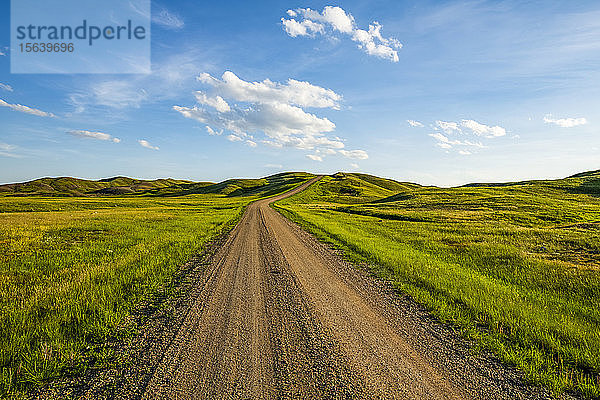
<point x="269" y="312"/>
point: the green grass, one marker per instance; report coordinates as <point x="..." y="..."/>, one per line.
<point x="73" y="268"/>
<point x="66" y="186"/>
<point x="123" y="186"/>
<point x="515" y="266"/>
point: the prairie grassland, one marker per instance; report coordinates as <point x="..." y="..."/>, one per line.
<point x="516" y="267"/>
<point x="72" y="268"/>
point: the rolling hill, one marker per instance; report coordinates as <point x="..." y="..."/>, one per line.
<point x="350" y="188"/>
<point x="123" y="186"/>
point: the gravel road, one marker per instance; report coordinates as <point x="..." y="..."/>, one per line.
<point x="272" y="313"/>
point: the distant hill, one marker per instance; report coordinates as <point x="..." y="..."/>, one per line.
<point x="349" y="187"/>
<point x="583" y="183"/>
<point x="66" y="186"/>
<point x="360" y="188"/>
<point x="588" y="174"/>
<point x="267" y="186"/>
<point x="123" y="186"/>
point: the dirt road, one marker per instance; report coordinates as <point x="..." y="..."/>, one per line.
<point x="274" y="314"/>
<point x="276" y="319"/>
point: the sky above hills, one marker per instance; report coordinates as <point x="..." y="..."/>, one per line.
<point x="440" y="93"/>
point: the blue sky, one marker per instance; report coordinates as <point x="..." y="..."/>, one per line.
<point x="440" y="93"/>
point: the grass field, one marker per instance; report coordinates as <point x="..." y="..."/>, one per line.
<point x="515" y="266"/>
<point x="72" y="268"/>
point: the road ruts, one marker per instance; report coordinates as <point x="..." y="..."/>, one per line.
<point x="275" y="320"/>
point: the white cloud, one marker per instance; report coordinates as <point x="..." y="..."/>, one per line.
<point x="146" y="144"/>
<point x="276" y="166"/>
<point x="6" y="87"/>
<point x="465" y="128"/>
<point x="439" y="137"/>
<point x="565" y="122"/>
<point x="384" y="49"/>
<point x="483" y="130"/>
<point x="448" y="127"/>
<point x="168" y="20"/>
<point x="358" y="154"/>
<point x="94" y="135"/>
<point x="446" y="143"/>
<point x="326" y="152"/>
<point x="7" y="147"/>
<point x="334" y="16"/>
<point x="370" y="41"/>
<point x="216" y="102"/>
<point x="315" y="157"/>
<point x="276" y="110"/>
<point x="293" y="92"/>
<point x="25" y="109"/>
<point x="118" y="94"/>
<point x="212" y="132"/>
<point x="304" y="28"/>
<point x="414" y="123"/>
<point x="354" y="165"/>
<point x="234" y="138"/>
<point x="6" y="150"/>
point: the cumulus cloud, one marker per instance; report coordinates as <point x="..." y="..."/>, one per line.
<point x="277" y="110"/>
<point x="293" y="92"/>
<point x="463" y="135"/>
<point x="414" y="123"/>
<point x="6" y="87"/>
<point x="358" y="154"/>
<point x="446" y="143"/>
<point x="216" y="102"/>
<point x="354" y="165"/>
<point x="447" y="127"/>
<point x="304" y="28"/>
<point x="25" y="109"/>
<point x="146" y="144"/>
<point x="334" y="20"/>
<point x="168" y="20"/>
<point x="565" y="122"/>
<point x="483" y="130"/>
<point x="94" y="135"/>
<point x="469" y="126"/>
<point x="315" y="157"/>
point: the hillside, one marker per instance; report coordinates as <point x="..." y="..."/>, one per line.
<point x="354" y="188"/>
<point x="66" y="186"/>
<point x="584" y="182"/>
<point x="514" y="266"/>
<point x="347" y="188"/>
<point x="123" y="186"/>
<point x="268" y="186"/>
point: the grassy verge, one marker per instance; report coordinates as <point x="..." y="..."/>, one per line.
<point x="72" y="268"/>
<point x="516" y="267"/>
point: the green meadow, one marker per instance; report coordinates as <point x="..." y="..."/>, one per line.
<point x="74" y="263"/>
<point x="515" y="266"/>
